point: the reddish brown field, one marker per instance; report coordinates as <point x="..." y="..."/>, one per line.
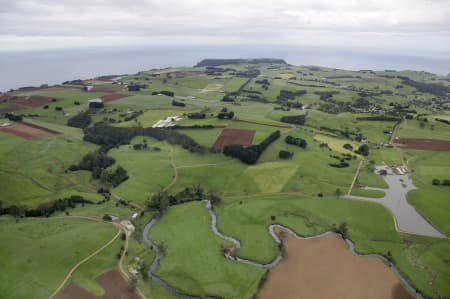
<point x="112" y="282"/>
<point x="15" y="103"/>
<point x="324" y="268"/>
<point x="106" y="88"/>
<point x="113" y="96"/>
<point x="233" y="136"/>
<point x="28" y="131"/>
<point x="424" y="144"/>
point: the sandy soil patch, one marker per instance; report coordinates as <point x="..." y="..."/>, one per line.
<point x="234" y="136"/>
<point x="112" y="282"/>
<point x="325" y="268"/>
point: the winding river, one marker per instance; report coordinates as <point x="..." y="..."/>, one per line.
<point x="237" y="244"/>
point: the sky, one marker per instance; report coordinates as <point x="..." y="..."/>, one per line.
<point x="416" y="26"/>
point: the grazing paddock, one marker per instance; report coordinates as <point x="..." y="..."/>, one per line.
<point x="234" y="136"/>
<point x="305" y="273"/>
<point x="106" y="88"/>
<point x="112" y="282"/>
<point x="423" y="144"/>
<point x="113" y="96"/>
<point x="28" y="131"/>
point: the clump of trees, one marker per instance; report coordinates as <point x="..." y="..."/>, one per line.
<point x="285" y="154"/>
<point x="196" y="115"/>
<point x="45" y="209"/>
<point x="348" y="146"/>
<point x="250" y="154"/>
<point x="109" y="137"/>
<point x="437" y="182"/>
<point x="342" y="229"/>
<point x="300" y="142"/>
<point x="363" y="150"/>
<point x="225" y="115"/>
<point x="81" y="120"/>
<point x="13" y="117"/>
<point x="178" y="103"/>
<point x="443" y="121"/>
<point x="160" y="201"/>
<point x="379" y="118"/>
<point x="296" y="119"/>
<point x="290" y="95"/>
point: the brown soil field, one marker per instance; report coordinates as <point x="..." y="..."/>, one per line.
<point x="28" y="131"/>
<point x="324" y="268"/>
<point x="106" y="88"/>
<point x="113" y="96"/>
<point x="424" y="144"/>
<point x="233" y="136"/>
<point x="112" y="282"/>
<point x="15" y="103"/>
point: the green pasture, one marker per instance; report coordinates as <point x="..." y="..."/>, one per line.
<point x="205" y="271"/>
<point x="370" y="226"/>
<point x="38" y="254"/>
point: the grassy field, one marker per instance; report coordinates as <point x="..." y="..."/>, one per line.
<point x="301" y="192"/>
<point x="37" y="254"/>
<point x="206" y="271"/>
<point x="371" y="227"/>
<point x="33" y="171"/>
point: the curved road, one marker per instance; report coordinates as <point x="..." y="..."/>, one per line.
<point x="407" y="219"/>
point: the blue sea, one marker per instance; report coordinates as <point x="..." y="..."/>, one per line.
<point x="33" y="68"/>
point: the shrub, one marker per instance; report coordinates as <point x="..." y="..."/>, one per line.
<point x="285" y="155"/>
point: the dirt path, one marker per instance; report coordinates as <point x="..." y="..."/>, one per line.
<point x="355" y="178"/>
<point x="174" y="167"/>
<point x="82" y="262"/>
<point x="394" y="131"/>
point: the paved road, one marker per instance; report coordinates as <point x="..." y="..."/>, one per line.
<point x="407" y="219"/>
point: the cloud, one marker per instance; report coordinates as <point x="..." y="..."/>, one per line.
<point x="33" y="24"/>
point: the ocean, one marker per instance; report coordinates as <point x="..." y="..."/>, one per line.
<point x="33" y="68"/>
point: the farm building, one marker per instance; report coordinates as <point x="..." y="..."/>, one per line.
<point x="88" y="87"/>
<point x="96" y="103"/>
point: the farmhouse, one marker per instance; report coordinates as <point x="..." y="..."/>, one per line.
<point x="96" y="103"/>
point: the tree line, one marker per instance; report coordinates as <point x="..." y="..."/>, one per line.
<point x="296" y="119"/>
<point x="81" y="120"/>
<point x="250" y="154"/>
<point x="300" y="142"/>
<point x="45" y="209"/>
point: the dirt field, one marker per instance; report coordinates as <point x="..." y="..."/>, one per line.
<point x="28" y="131"/>
<point x="424" y="144"/>
<point x="113" y="96"/>
<point x="324" y="268"/>
<point x="112" y="282"/>
<point x="233" y="136"/>
<point x="15" y="103"/>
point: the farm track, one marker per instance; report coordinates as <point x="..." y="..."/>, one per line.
<point x="119" y="230"/>
<point x="236" y="245"/>
<point x="174" y="167"/>
<point x="355" y="178"/>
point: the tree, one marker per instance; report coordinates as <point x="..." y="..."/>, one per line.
<point x="338" y="192"/>
<point x="436" y="182"/>
<point x="363" y="150"/>
<point x="132" y="283"/>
